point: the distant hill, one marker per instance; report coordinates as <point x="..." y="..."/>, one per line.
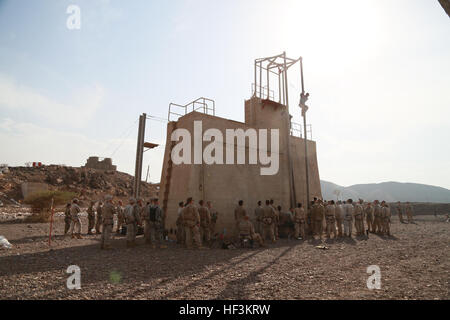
<point x="389" y="191"/>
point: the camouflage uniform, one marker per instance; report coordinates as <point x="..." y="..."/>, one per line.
<point x="268" y="220"/>
<point x="300" y="222"/>
<point x="348" y="219"/>
<point x="246" y="231"/>
<point x="339" y="215"/>
<point x="318" y="213"/>
<point x="108" y="213"/>
<point x="258" y="215"/>
<point x="75" y="226"/>
<point x="359" y="219"/>
<point x="205" y="221"/>
<point x="239" y="214"/>
<point x="67" y="220"/>
<point x="214" y="216"/>
<point x="191" y="222"/>
<point x="330" y="217"/>
<point x="120" y="218"/>
<point x="91" y="218"/>
<point x="409" y="213"/>
<point x="387" y="220"/>
<point x="369" y="217"/>
<point x="377" y="217"/>
<point x="132" y="219"/>
<point x="400" y="212"/>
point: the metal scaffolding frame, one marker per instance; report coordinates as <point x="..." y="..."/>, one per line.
<point x="205" y="105"/>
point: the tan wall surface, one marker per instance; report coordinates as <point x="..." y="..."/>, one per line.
<point x="225" y="184"/>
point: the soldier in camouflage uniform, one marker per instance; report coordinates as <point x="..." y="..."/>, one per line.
<point x="377" y="216"/>
<point x="108" y="212"/>
<point x="120" y="217"/>
<point x="246" y="231"/>
<point x="67" y="219"/>
<point x="91" y="217"/>
<point x="268" y="220"/>
<point x="330" y="217"/>
<point x="258" y="215"/>
<point x="132" y="219"/>
<point x="348" y="218"/>
<point x="179" y="223"/>
<point x="214" y="216"/>
<point x="75" y="226"/>
<point x="409" y="212"/>
<point x="368" y="210"/>
<point x="318" y="213"/>
<point x="359" y="218"/>
<point x="300" y="222"/>
<point x="339" y="214"/>
<point x="239" y="213"/>
<point x="191" y="222"/>
<point x="205" y="221"/>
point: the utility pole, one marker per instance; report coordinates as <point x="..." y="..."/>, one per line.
<point x="139" y="156"/>
<point x="304" y="109"/>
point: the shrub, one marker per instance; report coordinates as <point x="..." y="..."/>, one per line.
<point x="41" y="201"/>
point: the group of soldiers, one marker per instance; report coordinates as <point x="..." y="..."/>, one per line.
<point x="129" y="218"/>
<point x="196" y="224"/>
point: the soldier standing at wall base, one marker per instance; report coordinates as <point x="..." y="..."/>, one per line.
<point x="239" y="213"/>
<point x="377" y="216"/>
<point x="108" y="213"/>
<point x="387" y="219"/>
<point x="179" y="223"/>
<point x="98" y="223"/>
<point x="91" y="217"/>
<point x="268" y="219"/>
<point x="191" y="222"/>
<point x="120" y="217"/>
<point x="205" y="221"/>
<point x="330" y="217"/>
<point x="339" y="214"/>
<point x="359" y="218"/>
<point x="300" y="222"/>
<point x="75" y="226"/>
<point x="258" y="215"/>
<point x="132" y="219"/>
<point x="67" y="219"/>
<point x="318" y="215"/>
<point x="368" y="210"/>
<point x="247" y="231"/>
<point x="348" y="218"/>
<point x="214" y="216"/>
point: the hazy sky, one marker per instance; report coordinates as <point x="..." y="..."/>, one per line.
<point x="378" y="73"/>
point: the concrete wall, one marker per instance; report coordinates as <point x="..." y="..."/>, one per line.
<point x="225" y="185"/>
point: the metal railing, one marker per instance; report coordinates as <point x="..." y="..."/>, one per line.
<point x="263" y="95"/>
<point x="297" y="130"/>
<point x="205" y="105"/>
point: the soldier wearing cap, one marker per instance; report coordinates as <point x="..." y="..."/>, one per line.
<point x="348" y="217"/>
<point x="191" y="222"/>
<point x="75" y="226"/>
<point x="359" y="218"/>
<point x="205" y="221"/>
<point x="247" y="231"/>
<point x="300" y="222"/>
<point x="132" y="220"/>
<point x="91" y="217"/>
<point x="214" y="216"/>
<point x="330" y="217"/>
<point x="268" y="219"/>
<point x="368" y="210"/>
<point x="377" y="216"/>
<point x="108" y="212"/>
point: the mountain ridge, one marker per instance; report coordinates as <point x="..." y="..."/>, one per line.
<point x="390" y="191"/>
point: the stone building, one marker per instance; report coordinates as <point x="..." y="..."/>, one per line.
<point x="96" y="163"/>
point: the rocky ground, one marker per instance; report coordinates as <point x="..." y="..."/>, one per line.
<point x="414" y="263"/>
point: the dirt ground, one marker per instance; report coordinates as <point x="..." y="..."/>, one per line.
<point x="414" y="264"/>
